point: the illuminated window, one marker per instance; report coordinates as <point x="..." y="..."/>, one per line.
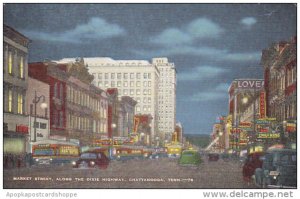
<point x="10" y="98"/>
<point x="10" y="63"/>
<point x="21" y="67"/>
<point x="20" y="104"/>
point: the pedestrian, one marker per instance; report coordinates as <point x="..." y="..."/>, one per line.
<point x="5" y="161"/>
<point x="19" y="161"/>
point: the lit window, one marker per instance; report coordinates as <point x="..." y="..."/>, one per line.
<point x="125" y="84"/>
<point x="21" y="67"/>
<point x="149" y="84"/>
<point x="106" y="83"/>
<point x="119" y="83"/>
<point x="100" y="84"/>
<point x="20" y="104"/>
<point x="10" y="99"/>
<point x="131" y="92"/>
<point x="10" y="64"/>
<point x="138" y="91"/>
<point x="125" y="92"/>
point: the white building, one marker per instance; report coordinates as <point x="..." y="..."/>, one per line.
<point x="166" y="96"/>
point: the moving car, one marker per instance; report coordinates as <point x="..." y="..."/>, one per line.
<point x="190" y="158"/>
<point x="252" y="162"/>
<point x="91" y="160"/>
<point x="213" y="157"/>
<point x="279" y="169"/>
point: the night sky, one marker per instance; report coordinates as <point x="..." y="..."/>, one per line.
<point x="210" y="44"/>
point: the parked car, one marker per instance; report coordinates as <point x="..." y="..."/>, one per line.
<point x="225" y="157"/>
<point x="251" y="163"/>
<point x="190" y="158"/>
<point x="91" y="160"/>
<point x="213" y="157"/>
<point x="279" y="169"/>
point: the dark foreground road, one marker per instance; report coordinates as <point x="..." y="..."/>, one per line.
<point x="162" y="173"/>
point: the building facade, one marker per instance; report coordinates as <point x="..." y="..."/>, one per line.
<point x="38" y="90"/>
<point x="15" y="85"/>
<point x="280" y="65"/>
<point x="166" y="96"/>
<point x="55" y="76"/>
<point x="244" y="106"/>
<point x="135" y="78"/>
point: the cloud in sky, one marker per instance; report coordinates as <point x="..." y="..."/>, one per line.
<point x="201" y="28"/>
<point x="248" y="21"/>
<point x="95" y="28"/>
<point x="215" y="94"/>
<point x="201" y="73"/>
<point x="205" y="52"/>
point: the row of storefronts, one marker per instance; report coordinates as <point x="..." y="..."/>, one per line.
<point x="262" y="112"/>
<point x="48" y="101"/>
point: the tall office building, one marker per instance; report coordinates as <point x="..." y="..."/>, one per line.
<point x="166" y="97"/>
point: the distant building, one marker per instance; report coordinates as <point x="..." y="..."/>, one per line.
<point x="166" y="95"/>
<point x="15" y="85"/>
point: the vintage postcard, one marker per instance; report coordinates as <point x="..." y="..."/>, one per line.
<point x="150" y="96"/>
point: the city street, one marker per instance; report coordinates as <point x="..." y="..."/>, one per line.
<point x="157" y="173"/>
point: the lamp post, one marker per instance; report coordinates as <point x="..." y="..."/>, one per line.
<point x="113" y="127"/>
<point x="44" y="105"/>
<point x="142" y="137"/>
<point x="157" y="141"/>
<point x="245" y="101"/>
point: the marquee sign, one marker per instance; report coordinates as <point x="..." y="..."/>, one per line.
<point x="262" y="104"/>
<point x="268" y="135"/>
<point x="250" y="84"/>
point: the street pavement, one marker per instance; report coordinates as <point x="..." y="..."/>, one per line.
<point x="157" y="173"/>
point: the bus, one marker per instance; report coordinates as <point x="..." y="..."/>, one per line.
<point x="55" y="152"/>
<point x="124" y="152"/>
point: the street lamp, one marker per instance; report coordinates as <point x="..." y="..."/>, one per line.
<point x="43" y="105"/>
<point x="113" y="126"/>
<point x="142" y="137"/>
<point x="157" y="141"/>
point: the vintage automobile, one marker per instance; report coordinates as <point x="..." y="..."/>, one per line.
<point x="213" y="157"/>
<point x="279" y="169"/>
<point x="91" y="160"/>
<point x="252" y="162"/>
<point x="190" y="158"/>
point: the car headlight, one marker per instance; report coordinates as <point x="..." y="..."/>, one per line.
<point x="177" y="154"/>
<point x="92" y="162"/>
<point x="36" y="160"/>
<point x="74" y="163"/>
<point x="51" y="159"/>
<point x="145" y="155"/>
